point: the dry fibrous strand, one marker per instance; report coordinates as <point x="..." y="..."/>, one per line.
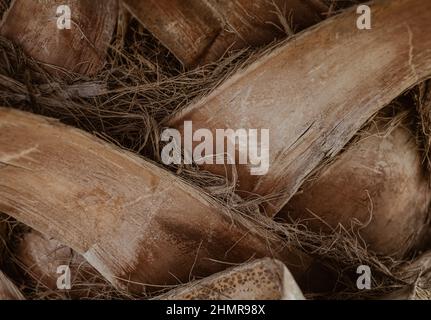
<point x="336" y="6"/>
<point x="422" y="96"/>
<point x="8" y="290"/>
<point x="418" y="271"/>
<point x="264" y="279"/>
<point x="132" y="221"/>
<point x="3" y="237"/>
<point x="124" y="103"/>
<point x="81" y="49"/>
<point x="4" y="5"/>
<point x="416" y="278"/>
<point x="199" y="32"/>
<point x="119" y="105"/>
<point x="323" y="88"/>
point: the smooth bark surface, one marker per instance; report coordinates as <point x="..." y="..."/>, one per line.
<point x="82" y="49"/>
<point x="377" y="187"/>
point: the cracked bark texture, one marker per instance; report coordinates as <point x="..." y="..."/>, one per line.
<point x="316" y="91"/>
<point x="131" y="220"/>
